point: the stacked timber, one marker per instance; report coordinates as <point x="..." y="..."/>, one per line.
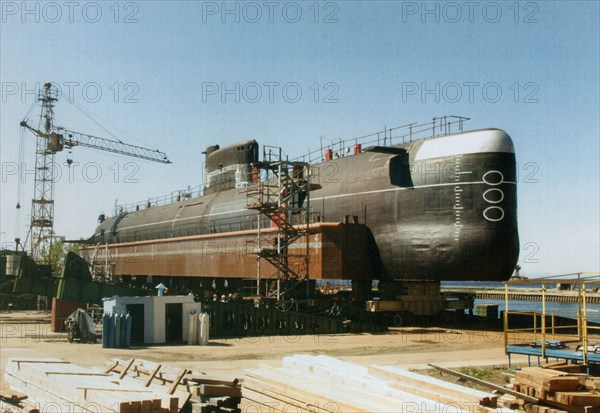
<point x="123" y="387"/>
<point x="563" y="391"/>
<point x="11" y="397"/>
<point x="307" y="383"/>
<point x="564" y="366"/>
<point x="62" y="386"/>
<point x="220" y="393"/>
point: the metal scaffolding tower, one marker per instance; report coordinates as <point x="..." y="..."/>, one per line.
<point x="282" y="196"/>
<point x="42" y="204"/>
<point x="50" y="140"/>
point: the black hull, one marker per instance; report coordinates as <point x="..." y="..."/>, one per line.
<point x="436" y="211"/>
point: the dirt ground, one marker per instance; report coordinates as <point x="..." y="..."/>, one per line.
<point x="27" y="334"/>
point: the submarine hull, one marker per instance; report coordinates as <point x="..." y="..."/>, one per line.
<point x="442" y="208"/>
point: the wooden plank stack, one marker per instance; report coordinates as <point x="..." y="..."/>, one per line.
<point x="226" y="393"/>
<point x="568" y="392"/>
<point x="68" y="387"/>
<point x="134" y="386"/>
<point x="9" y="396"/>
<point x="563" y="366"/>
<point x="307" y="383"/>
<point x="436" y="389"/>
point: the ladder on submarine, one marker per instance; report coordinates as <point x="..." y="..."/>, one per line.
<point x="281" y="194"/>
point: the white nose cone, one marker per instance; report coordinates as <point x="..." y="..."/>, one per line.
<point x="479" y="141"/>
<point x="161" y="289"/>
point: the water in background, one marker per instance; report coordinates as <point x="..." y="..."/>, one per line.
<point x="568" y="310"/>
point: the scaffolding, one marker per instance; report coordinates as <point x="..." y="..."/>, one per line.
<point x="42" y="204"/>
<point x="548" y="334"/>
<point x="50" y="140"/>
<point x="282" y="196"/>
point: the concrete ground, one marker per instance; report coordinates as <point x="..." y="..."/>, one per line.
<point x="27" y="334"/>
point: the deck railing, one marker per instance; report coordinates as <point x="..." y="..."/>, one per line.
<point x="170" y="198"/>
<point x="438" y="126"/>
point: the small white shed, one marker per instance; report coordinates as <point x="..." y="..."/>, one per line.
<point x="155" y="319"/>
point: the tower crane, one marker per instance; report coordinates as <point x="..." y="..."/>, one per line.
<point x="50" y="140"/>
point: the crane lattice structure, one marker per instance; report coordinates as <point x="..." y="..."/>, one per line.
<point x="42" y="204"/>
<point x="284" y="198"/>
<point x="50" y="140"/>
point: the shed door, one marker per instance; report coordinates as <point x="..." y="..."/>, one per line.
<point x="136" y="311"/>
<point x="173" y="323"/>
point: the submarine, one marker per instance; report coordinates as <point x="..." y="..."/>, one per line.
<point x="440" y="208"/>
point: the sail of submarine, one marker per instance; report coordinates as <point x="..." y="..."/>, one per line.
<point x="441" y="208"/>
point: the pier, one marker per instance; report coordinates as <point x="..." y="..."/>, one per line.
<point x="545" y="338"/>
<point x="527" y="294"/>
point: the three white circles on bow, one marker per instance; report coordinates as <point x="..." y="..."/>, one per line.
<point x="493" y="196"/>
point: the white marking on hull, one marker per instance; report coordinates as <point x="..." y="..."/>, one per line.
<point x="483" y="141"/>
<point x="458" y="197"/>
<point x="209" y="247"/>
<point x="313" y="199"/>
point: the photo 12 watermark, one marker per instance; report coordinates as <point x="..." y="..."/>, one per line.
<point x="72" y="12"/>
<point x="73" y="91"/>
<point x="470" y="92"/>
<point x="447" y="170"/>
<point x="270" y="92"/>
<point x="71" y="171"/>
<point x="453" y="12"/>
<point x="529" y="253"/>
<point x="253" y="12"/>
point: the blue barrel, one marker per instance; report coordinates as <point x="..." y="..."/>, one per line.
<point x="105" y="323"/>
<point x="122" y="333"/>
<point x="117" y="330"/>
<point x="111" y="331"/>
<point x="128" y="322"/>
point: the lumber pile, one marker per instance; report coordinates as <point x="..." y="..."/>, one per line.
<point x="226" y="393"/>
<point x="563" y="366"/>
<point x="70" y="387"/>
<point x="307" y="383"/>
<point x="133" y="386"/>
<point x="563" y="391"/>
<point x="9" y="396"/>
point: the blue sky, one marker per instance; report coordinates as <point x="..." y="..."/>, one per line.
<point x="530" y="68"/>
